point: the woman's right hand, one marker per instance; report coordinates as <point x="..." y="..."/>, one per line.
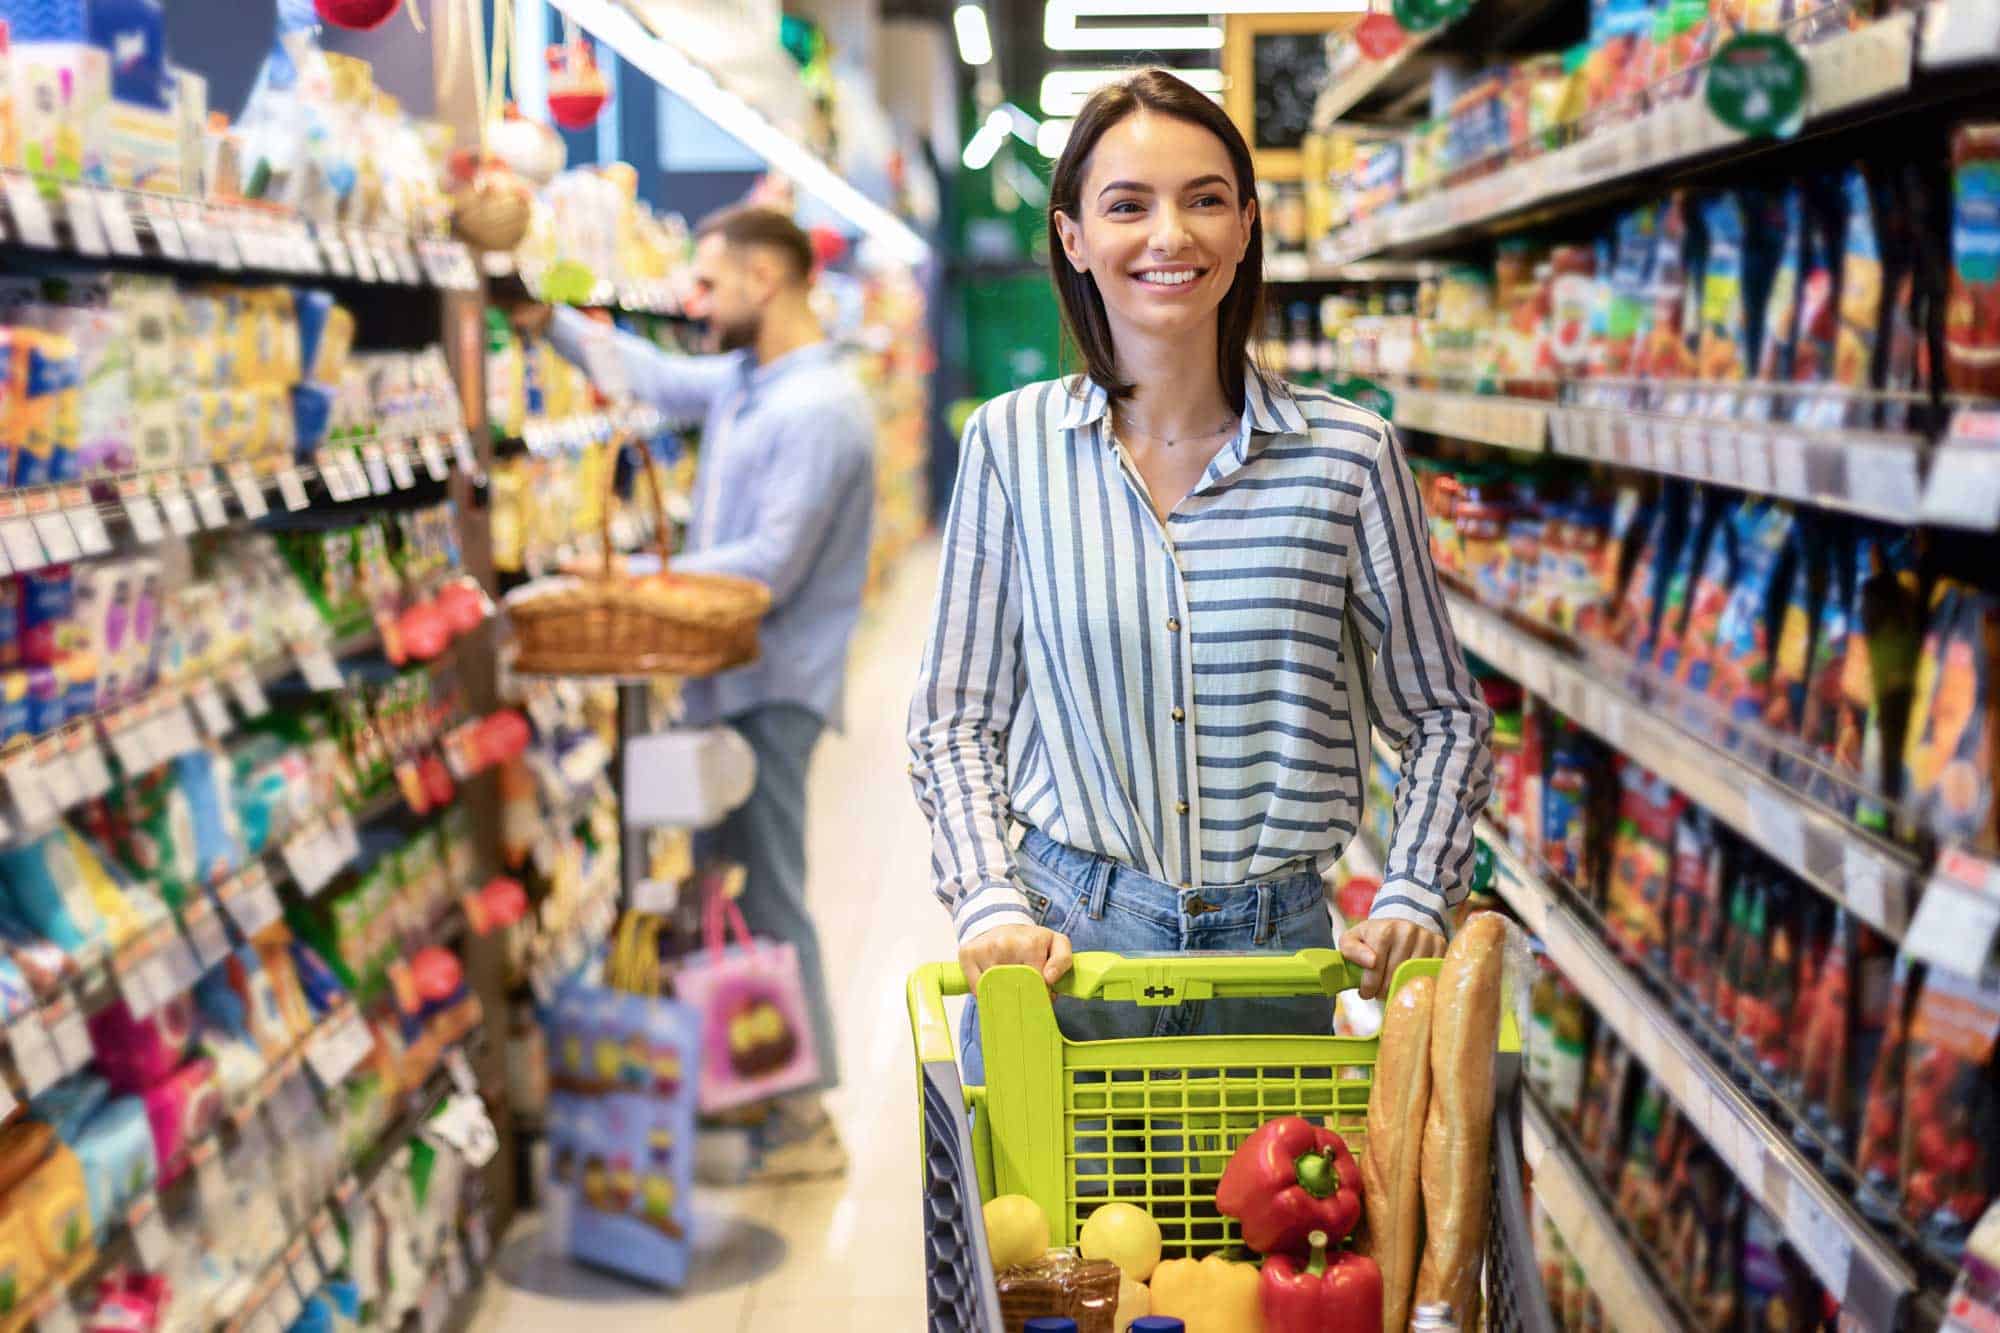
<point x="1034" y="946"/>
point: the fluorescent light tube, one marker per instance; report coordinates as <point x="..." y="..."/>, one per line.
<point x="975" y="40"/>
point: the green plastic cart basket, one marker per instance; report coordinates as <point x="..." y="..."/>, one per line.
<point x="1153" y="1120"/>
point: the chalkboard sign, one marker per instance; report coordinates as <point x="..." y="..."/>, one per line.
<point x="1275" y="66"/>
<point x="1290" y="69"/>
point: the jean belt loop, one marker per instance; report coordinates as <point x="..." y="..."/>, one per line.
<point x="1265" y="893"/>
<point x="1100" y="886"/>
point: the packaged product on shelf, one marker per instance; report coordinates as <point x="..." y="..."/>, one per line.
<point x="1740" y="676"/>
<point x="1634" y="622"/>
<point x="1878" y="1149"/>
<point x="1879" y="675"/>
<point x="1846" y="1008"/>
<point x="1765" y="1021"/>
<point x="1686" y="655"/>
<point x="1636" y="1184"/>
<point x="1641" y="862"/>
<point x="1675" y="272"/>
<point x="1791" y="656"/>
<point x="1778" y="1289"/>
<point x="1951" y="1109"/>
<point x="1695" y="917"/>
<point x="1972" y="309"/>
<point x="1951" y="753"/>
<point x="1706" y="525"/>
<point x="1601" y="1113"/>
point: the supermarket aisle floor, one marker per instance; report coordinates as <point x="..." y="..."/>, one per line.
<point x="848" y="1254"/>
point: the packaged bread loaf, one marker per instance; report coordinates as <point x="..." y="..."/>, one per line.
<point x="1458" y="1127"/>
<point x="1389" y="1176"/>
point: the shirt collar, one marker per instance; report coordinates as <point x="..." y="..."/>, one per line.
<point x="1268" y="403"/>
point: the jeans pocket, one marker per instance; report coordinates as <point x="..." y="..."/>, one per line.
<point x="1054" y="900"/>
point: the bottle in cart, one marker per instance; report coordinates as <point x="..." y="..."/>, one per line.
<point x="1434" y="1317"/>
<point x="1156" y="1323"/>
<point x="1055" y="1323"/>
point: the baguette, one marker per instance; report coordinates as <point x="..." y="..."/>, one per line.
<point x="1458" y="1127"/>
<point x="1389" y="1160"/>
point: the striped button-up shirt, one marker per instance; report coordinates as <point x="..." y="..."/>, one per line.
<point x="1187" y="698"/>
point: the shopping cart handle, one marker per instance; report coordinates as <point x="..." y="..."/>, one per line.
<point x="1156" y="981"/>
<point x="925" y="991"/>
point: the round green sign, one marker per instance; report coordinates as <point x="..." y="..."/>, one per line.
<point x="1424" y="15"/>
<point x="1757" y="84"/>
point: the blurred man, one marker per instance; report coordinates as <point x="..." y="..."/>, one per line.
<point x="784" y="492"/>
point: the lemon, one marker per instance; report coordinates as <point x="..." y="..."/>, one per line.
<point x="1016" y="1231"/>
<point x="1124" y="1234"/>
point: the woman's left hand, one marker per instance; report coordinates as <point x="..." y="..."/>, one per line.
<point x="1379" y="947"/>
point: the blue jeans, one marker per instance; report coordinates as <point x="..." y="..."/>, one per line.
<point x="767" y="836"/>
<point x="1102" y="905"/>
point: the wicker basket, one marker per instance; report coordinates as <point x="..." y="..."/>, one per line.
<point x="611" y="624"/>
<point x="492" y="213"/>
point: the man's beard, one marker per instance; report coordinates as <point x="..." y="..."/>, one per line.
<point x="734" y="337"/>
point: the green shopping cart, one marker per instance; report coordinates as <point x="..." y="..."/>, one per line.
<point x="1153" y="1120"/>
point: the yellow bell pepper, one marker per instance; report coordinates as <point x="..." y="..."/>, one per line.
<point x="1209" y="1295"/>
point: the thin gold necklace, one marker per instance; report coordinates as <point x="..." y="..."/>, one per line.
<point x="1228" y="424"/>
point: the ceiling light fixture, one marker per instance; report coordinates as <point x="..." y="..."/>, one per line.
<point x="1061" y="32"/>
<point x="1064" y="91"/>
<point x="1052" y="136"/>
<point x="666" y="66"/>
<point x="975" y="40"/>
<point x="986" y="140"/>
<point x="1205" y="8"/>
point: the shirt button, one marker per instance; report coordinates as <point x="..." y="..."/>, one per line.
<point x="1180" y="807"/>
<point x="1173" y="625"/>
<point x="1179" y="716"/>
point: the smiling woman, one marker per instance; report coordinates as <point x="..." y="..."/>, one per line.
<point x="1176" y="591"/>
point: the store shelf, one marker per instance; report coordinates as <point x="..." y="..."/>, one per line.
<point x="1508" y="423"/>
<point x="1873" y="878"/>
<point x="1590" y="1229"/>
<point x="101" y="223"/>
<point x="356" y="1185"/>
<point x="1349" y="90"/>
<point x="1856" y="1264"/>
<point x="1853" y="70"/>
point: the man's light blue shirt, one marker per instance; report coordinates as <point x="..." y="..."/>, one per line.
<point x="784" y="494"/>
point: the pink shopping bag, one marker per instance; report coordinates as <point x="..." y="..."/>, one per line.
<point x="755" y="1040"/>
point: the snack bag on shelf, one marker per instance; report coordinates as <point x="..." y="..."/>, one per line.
<point x="1742" y="948"/>
<point x="1635" y="1187"/>
<point x="1695" y="916"/>
<point x="1791" y="658"/>
<point x="1633" y="253"/>
<point x="1679" y="255"/>
<point x="1740" y="677"/>
<point x="1635" y="618"/>
<point x="1635" y="906"/>
<point x="1778" y="325"/>
<point x="1879" y="675"/>
<point x="1949" y="760"/>
<point x="1818" y="320"/>
<point x="1878" y="1145"/>
<point x="1972" y="307"/>
<point x="1723" y="569"/>
<point x="1951" y="1109"/>
<point x="1601" y="1112"/>
<point x="1767" y="1011"/>
<point x="1778" y="1289"/>
<point x="1724" y="351"/>
<point x="1709" y="546"/>
<point x="1857" y="347"/>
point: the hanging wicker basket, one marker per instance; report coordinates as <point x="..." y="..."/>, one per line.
<point x="609" y="623"/>
<point x="492" y="212"/>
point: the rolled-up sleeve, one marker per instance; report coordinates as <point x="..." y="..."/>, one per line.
<point x="964" y="701"/>
<point x="1423" y="697"/>
<point x="681" y="388"/>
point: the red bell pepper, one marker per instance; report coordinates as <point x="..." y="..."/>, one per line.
<point x="1333" y="1293"/>
<point x="1288" y="1180"/>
